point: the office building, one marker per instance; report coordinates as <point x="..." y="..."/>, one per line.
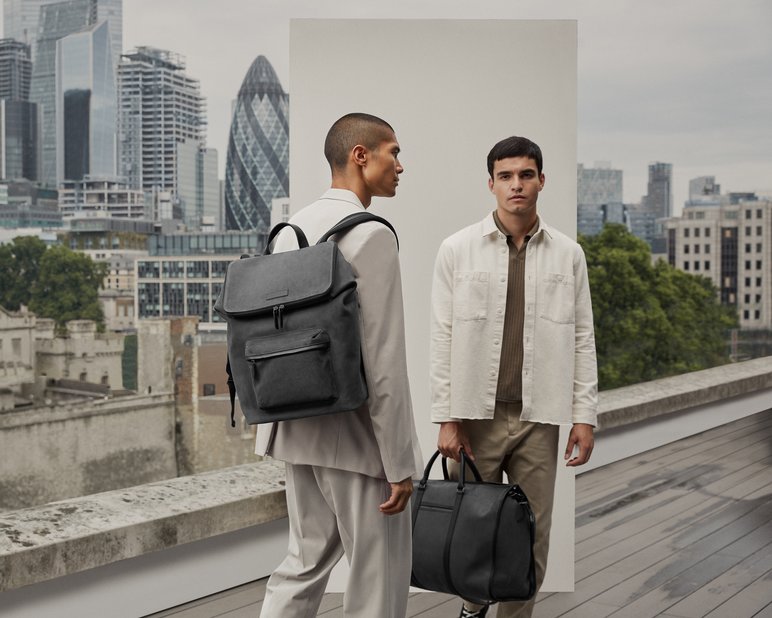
<point x="704" y="190"/>
<point x="25" y="204"/>
<point x="598" y="197"/>
<point x="257" y="166"/>
<point x="659" y="197"/>
<point x="198" y="187"/>
<point x="181" y="286"/>
<point x="101" y="197"/>
<point x="85" y="105"/>
<point x="161" y="117"/>
<point x="729" y="243"/>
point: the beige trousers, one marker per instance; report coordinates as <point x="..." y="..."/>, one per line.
<point x="527" y="453"/>
<point x="332" y="512"/>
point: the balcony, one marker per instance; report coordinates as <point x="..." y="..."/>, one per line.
<point x="672" y="519"/>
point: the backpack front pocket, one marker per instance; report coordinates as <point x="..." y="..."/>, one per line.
<point x="292" y="368"/>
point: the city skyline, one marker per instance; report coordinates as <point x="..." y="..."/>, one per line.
<point x="685" y="84"/>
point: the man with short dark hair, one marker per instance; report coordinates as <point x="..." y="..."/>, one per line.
<point x="513" y="347"/>
<point x="349" y="475"/>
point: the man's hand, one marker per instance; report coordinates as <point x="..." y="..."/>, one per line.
<point x="581" y="437"/>
<point x="452" y="439"/>
<point x="399" y="499"/>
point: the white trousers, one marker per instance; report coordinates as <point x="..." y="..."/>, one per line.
<point x="332" y="512"/>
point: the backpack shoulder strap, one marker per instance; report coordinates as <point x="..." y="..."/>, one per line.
<point x="353" y="220"/>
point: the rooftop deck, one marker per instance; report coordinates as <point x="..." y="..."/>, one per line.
<point x="684" y="530"/>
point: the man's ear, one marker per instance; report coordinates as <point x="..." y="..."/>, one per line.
<point x="359" y="155"/>
<point x="490" y="184"/>
<point x="541" y="180"/>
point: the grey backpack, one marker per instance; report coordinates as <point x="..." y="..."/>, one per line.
<point x="293" y="329"/>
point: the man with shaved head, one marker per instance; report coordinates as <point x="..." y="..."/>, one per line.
<point x="349" y="475"/>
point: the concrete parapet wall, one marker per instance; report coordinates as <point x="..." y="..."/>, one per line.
<point x="646" y="401"/>
<point x="41" y="543"/>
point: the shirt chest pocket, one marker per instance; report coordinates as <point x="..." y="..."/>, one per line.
<point x="556" y="298"/>
<point x="470" y="295"/>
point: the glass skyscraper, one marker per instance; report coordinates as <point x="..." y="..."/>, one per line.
<point x="85" y="105"/>
<point x="257" y="167"/>
<point x="58" y="20"/>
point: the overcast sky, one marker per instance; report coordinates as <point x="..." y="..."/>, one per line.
<point x="687" y="82"/>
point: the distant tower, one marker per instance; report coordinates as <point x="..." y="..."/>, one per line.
<point x="58" y="20"/>
<point x="257" y="167"/>
<point x="15" y="70"/>
<point x="659" y="198"/>
<point x="85" y="105"/>
<point x="161" y="124"/>
<point x="19" y="141"/>
<point x="599" y="197"/>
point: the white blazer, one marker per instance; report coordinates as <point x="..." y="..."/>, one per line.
<point x="379" y="439"/>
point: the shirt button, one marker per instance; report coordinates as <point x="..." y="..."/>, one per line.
<point x="498" y="311"/>
<point x="502" y="279"/>
<point x="495" y="343"/>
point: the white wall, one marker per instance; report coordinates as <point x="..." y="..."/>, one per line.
<point x="451" y="89"/>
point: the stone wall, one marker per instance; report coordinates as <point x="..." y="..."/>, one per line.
<point x="58" y="452"/>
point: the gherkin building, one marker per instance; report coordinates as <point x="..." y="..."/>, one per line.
<point x="257" y="167"/>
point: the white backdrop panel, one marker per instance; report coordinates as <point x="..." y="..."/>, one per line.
<point x="451" y="89"/>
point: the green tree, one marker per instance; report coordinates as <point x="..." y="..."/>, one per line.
<point x="68" y="287"/>
<point x="651" y="321"/>
<point x="19" y="270"/>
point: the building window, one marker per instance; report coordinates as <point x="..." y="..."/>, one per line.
<point x="209" y="390"/>
<point x="758" y="247"/>
<point x="747" y="299"/>
<point x="686" y="232"/>
<point x="758" y="298"/>
<point x="686" y="265"/>
<point x="758" y="230"/>
<point x="747" y="264"/>
<point x="758" y="282"/>
<point x="746" y="314"/>
<point x="748" y="214"/>
<point x="758" y="213"/>
<point x="696" y="232"/>
<point x="707" y="264"/>
<point x="707" y="232"/>
<point x="696" y="248"/>
<point x="16" y="348"/>
<point x="707" y="248"/>
<point x="757" y="314"/>
<point x="686" y="248"/>
<point x="758" y="264"/>
<point x="696" y="266"/>
<point x="747" y="282"/>
<point x="747" y="247"/>
<point x="747" y="230"/>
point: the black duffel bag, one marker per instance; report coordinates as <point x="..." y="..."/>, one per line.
<point x="472" y="539"/>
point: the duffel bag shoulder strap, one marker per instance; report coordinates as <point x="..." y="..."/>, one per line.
<point x="353" y="220"/>
<point x="299" y="234"/>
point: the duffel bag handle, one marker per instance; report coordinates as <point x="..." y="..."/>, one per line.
<point x="302" y="240"/>
<point x="465" y="461"/>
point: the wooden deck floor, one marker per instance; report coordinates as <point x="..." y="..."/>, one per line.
<point x="684" y="530"/>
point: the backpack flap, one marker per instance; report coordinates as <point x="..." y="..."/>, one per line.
<point x="258" y="284"/>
